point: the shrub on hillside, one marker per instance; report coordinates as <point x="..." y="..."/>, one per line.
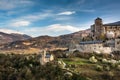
<point x="99" y="68"/>
<point x="118" y="67"/>
<point x="106" y="68"/>
<point x="93" y="59"/>
<point x="104" y="60"/>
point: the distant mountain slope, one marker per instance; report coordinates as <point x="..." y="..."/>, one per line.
<point x="48" y="42"/>
<point x="5" y="38"/>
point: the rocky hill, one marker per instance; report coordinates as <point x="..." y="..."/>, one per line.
<point x="48" y="42"/>
<point x="6" y="38"/>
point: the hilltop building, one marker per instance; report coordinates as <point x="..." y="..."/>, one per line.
<point x="100" y="30"/>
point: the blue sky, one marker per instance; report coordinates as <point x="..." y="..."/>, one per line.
<point x="54" y="17"/>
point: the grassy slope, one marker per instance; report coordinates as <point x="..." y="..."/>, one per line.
<point x="88" y="69"/>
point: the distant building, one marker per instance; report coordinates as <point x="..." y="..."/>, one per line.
<point x="46" y="57"/>
<point x="100" y="30"/>
<point x="117" y="44"/>
<point x="98" y="46"/>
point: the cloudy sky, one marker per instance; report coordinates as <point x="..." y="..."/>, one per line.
<point x="54" y="17"/>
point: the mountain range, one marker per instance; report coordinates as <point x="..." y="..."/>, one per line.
<point x="20" y="41"/>
<point x="7" y="38"/>
<point x="43" y="42"/>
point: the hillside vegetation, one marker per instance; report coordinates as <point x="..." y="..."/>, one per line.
<point x="28" y="67"/>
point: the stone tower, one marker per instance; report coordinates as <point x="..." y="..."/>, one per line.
<point x="98" y="26"/>
<point x="98" y="21"/>
<point x="98" y="29"/>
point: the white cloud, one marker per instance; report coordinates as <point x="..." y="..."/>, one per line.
<point x="33" y="17"/>
<point x="52" y="30"/>
<point x="27" y="19"/>
<point x="20" y="23"/>
<point x="12" y="4"/>
<point x="66" y="13"/>
<point x="9" y="31"/>
<point x="59" y="27"/>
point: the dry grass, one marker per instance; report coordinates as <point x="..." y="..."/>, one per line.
<point x="21" y="51"/>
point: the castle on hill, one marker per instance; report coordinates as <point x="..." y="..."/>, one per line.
<point x="100" y="30"/>
<point x="98" y="44"/>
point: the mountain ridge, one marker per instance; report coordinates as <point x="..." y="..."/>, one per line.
<point x="6" y="38"/>
<point x="48" y="42"/>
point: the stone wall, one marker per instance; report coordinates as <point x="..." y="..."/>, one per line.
<point x="90" y="48"/>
